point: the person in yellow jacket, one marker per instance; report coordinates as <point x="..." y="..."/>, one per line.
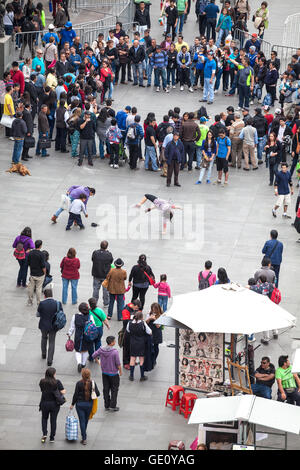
<point x="204" y="130"/>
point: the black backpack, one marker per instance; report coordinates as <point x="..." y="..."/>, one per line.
<point x="204" y="281"/>
<point x="162" y="131"/>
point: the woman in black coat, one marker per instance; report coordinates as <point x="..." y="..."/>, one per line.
<point x="139" y="280"/>
<point x="48" y="406"/>
<point x="157" y="339"/>
<point x="138" y="329"/>
<point x="81" y="345"/>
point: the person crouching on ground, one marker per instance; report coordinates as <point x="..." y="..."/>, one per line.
<point x="76" y="207"/>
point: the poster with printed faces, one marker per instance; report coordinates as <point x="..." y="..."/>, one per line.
<point x="201" y="360"/>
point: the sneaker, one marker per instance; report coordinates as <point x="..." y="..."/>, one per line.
<point x="238" y="108"/>
<point x="286" y="216"/>
<point x="114" y="409"/>
<point x="251" y="102"/>
<point x="264" y="341"/>
<point x="210" y="102"/>
<point x="157" y="88"/>
<point x="112" y="166"/>
<point x="54" y="218"/>
<point x="251" y="340"/>
<point x="198" y="182"/>
<point x="51" y="439"/>
<point x="43" y="440"/>
<point x="166" y="90"/>
<point x="218" y="182"/>
<point x="148" y="85"/>
<point x="203" y="101"/>
<point x="11" y="138"/>
<point x="275" y="336"/>
<point x="181" y="88"/>
<point x="143" y="379"/>
<point x="191" y="89"/>
<point x="208" y="181"/>
<point x="274" y="213"/>
<point x="116" y="166"/>
<point x="174" y="86"/>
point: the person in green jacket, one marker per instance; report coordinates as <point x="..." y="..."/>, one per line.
<point x="261" y="19"/>
<point x="99" y="318"/>
<point x="204" y="130"/>
<point x="182" y="7"/>
<point x="224" y="26"/>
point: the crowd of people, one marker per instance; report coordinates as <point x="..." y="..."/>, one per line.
<point x="69" y="87"/>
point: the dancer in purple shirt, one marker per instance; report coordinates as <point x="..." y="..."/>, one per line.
<point x="74" y="193"/>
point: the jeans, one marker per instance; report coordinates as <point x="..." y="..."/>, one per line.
<point x="180" y="22"/>
<point x="97" y="283"/>
<point x="74" y="218"/>
<point x="52" y="409"/>
<point x="137" y="70"/>
<point x="209" y="170"/>
<point x="260" y="147"/>
<point x="22" y="275"/>
<point x="65" y="285"/>
<point x="276" y="268"/>
<point x="211" y="28"/>
<point x="111" y="385"/>
<point x="101" y="149"/>
<point x="244" y="96"/>
<point x="150" y="154"/>
<point x="262" y="391"/>
<point x="163" y="301"/>
<point x="18" y="147"/>
<point x="96" y="344"/>
<point x="222" y="33"/>
<point x="218" y="78"/>
<point x="48" y="336"/>
<point x="38" y="150"/>
<point x="291" y="397"/>
<point x="149" y="73"/>
<point x="199" y="155"/>
<point x="189" y="149"/>
<point x="171" y="73"/>
<point x="160" y="73"/>
<point x="208" y="92"/>
<point x="84" y="409"/>
<point x="120" y="304"/>
<point x="234" y="85"/>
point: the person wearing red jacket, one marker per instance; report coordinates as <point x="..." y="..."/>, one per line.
<point x="70" y="266"/>
<point x="17" y="76"/>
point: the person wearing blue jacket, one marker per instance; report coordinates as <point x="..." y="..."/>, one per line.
<point x="273" y="249"/>
<point x="121" y="117"/>
<point x="133" y="141"/>
<point x="174" y="155"/>
<point x="225" y="25"/>
<point x="159" y="62"/>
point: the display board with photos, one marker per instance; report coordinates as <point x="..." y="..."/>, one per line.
<point x="201" y="360"/>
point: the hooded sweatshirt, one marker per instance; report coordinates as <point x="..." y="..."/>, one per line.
<point x="110" y="360"/>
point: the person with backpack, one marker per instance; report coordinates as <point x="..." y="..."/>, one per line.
<point x="273" y="249"/>
<point x="86" y="391"/>
<point x="50" y="387"/>
<point x="114" y="136"/>
<point x="69" y="267"/>
<point x="46" y="312"/>
<point x="80" y="324"/>
<point x="134" y="136"/>
<point x="111" y="372"/>
<point x="100" y="319"/>
<point x="22" y="245"/>
<point x="206" y="278"/>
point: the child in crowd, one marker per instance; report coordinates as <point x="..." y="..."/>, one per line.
<point x="114" y="136"/>
<point x="76" y="207"/>
<point x="164" y="292"/>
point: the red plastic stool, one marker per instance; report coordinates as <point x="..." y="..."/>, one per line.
<point x="187" y="403"/>
<point x="173" y="396"/>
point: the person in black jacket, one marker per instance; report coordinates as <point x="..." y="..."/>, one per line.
<point x="46" y="311"/>
<point x="136" y="57"/>
<point x="62" y="66"/>
<point x="33" y="93"/>
<point x="18" y="131"/>
<point x="172" y="18"/>
<point x="83" y="400"/>
<point x="139" y="280"/>
<point x="87" y="129"/>
<point x="48" y="406"/>
<point x="102" y="260"/>
<point x="261" y="125"/>
<point x="174" y="155"/>
<point x="27" y="117"/>
<point x="142" y="18"/>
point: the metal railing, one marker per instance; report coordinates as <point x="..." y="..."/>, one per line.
<point x="103" y="6"/>
<point x="243" y="36"/>
<point x="291" y="31"/>
<point x="284" y="53"/>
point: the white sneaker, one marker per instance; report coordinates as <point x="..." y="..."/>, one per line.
<point x="191" y="89"/>
<point x="238" y="108"/>
<point x="174" y="86"/>
<point x="157" y="88"/>
<point x="11" y="138"/>
<point x="111" y="165"/>
<point x="181" y="88"/>
<point x="251" y="102"/>
<point x="116" y="166"/>
<point x="167" y="90"/>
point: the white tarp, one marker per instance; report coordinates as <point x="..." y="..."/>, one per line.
<point x="262" y="411"/>
<point x="296" y="362"/>
<point x="229" y="309"/>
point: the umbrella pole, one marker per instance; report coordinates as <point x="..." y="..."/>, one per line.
<point x="176" y="356"/>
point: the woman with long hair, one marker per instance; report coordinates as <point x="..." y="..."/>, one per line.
<point x="23" y="244"/>
<point x="70" y="266"/>
<point x="208" y="156"/>
<point x="222" y="277"/>
<point x="48" y="406"/>
<point x="137" y="330"/>
<point x="84" y="392"/>
<point x="81" y="345"/>
<point x="74" y="131"/>
<point x="157" y="339"/>
<point x="272" y="156"/>
<point x="102" y="125"/>
<point x="139" y="279"/>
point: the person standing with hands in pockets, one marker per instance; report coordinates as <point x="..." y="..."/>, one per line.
<point x="223" y="152"/>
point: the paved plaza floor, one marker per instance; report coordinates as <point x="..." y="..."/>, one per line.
<point x="230" y="226"/>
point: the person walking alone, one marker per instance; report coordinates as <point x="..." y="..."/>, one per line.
<point x="70" y="266"/>
<point x="46" y="311"/>
<point x="102" y="260"/>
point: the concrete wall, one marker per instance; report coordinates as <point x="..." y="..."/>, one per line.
<point x="6" y="53"/>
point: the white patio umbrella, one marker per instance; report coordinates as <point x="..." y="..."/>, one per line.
<point x="228" y="308"/>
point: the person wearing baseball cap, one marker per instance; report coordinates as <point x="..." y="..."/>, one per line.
<point x="269" y="117"/>
<point x="67" y="34"/>
<point x="254" y="41"/>
<point x="50" y="34"/>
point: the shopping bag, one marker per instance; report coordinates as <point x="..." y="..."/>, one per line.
<point x="71" y="428"/>
<point x="94" y="409"/>
<point x="65" y="202"/>
<point x="6" y="120"/>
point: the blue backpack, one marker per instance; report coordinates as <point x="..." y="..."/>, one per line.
<point x="59" y="319"/>
<point x="267" y="100"/>
<point x="90" y="331"/>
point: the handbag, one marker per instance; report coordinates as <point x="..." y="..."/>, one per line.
<point x="7" y="121"/>
<point x="105" y="283"/>
<point x="65" y="202"/>
<point x="50" y="7"/>
<point x="150" y="279"/>
<point x="257" y="22"/>
<point x="59" y="397"/>
<point x="95" y="401"/>
<point x="29" y="142"/>
<point x="69" y="345"/>
<point x="45" y="143"/>
<point x="121" y="335"/>
<point x="219" y="27"/>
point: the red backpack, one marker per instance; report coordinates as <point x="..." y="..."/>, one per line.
<point x="19" y="252"/>
<point x="276" y="296"/>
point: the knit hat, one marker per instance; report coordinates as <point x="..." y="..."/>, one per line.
<point x="119" y="263"/>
